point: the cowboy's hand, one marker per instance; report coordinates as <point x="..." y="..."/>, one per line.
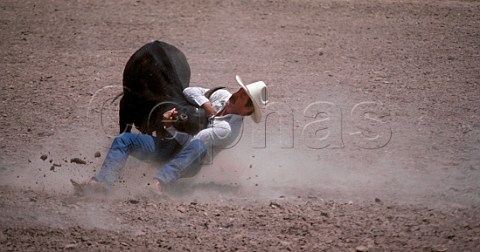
<point x="168" y="117"/>
<point x="209" y="109"/>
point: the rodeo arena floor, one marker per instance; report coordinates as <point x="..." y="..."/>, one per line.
<point x="370" y="141"/>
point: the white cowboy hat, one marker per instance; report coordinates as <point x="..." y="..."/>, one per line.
<point x="257" y="92"/>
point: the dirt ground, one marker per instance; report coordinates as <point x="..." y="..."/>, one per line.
<point x="371" y="143"/>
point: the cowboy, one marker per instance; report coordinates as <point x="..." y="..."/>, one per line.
<point x="225" y="112"/>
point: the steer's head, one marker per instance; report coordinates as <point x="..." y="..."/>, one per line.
<point x="190" y="119"/>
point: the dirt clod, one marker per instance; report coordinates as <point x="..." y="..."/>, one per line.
<point x="78" y="161"/>
<point x="133" y="201"/>
<point x="361" y="248"/>
<point x="70" y="246"/>
<point x="370" y="139"/>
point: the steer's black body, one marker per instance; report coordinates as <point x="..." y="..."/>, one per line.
<point x="153" y="82"/>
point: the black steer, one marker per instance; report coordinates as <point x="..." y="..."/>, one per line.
<point x="153" y="82"/>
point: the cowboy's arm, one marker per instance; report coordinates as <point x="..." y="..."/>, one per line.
<point x="215" y="135"/>
<point x="196" y="96"/>
<point x="181" y="137"/>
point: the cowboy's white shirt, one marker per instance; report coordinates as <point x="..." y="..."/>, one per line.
<point x="221" y="131"/>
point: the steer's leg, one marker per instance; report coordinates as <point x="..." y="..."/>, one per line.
<point x="125" y="116"/>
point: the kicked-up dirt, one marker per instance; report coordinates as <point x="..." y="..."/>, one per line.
<point x="371" y="140"/>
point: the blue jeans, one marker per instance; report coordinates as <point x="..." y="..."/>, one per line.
<point x="185" y="163"/>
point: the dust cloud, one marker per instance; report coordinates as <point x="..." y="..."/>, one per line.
<point x="269" y="161"/>
<point x="285" y="167"/>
